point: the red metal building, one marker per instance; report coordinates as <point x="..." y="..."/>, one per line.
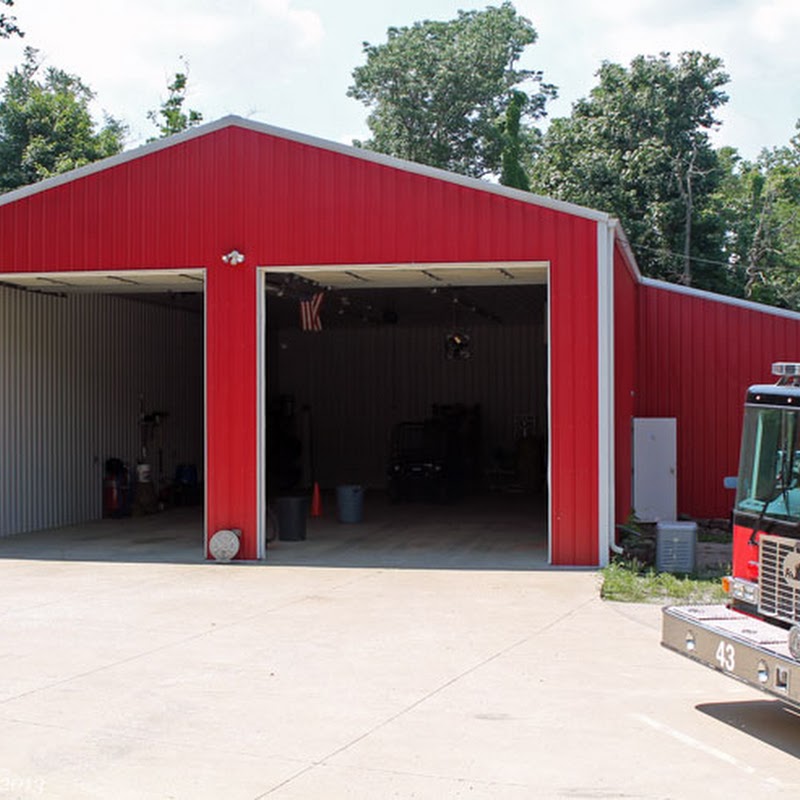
<point x="618" y="346"/>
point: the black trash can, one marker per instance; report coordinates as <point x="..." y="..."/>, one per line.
<point x="292" y="513"/>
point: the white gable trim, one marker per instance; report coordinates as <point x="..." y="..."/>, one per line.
<point x="702" y="294"/>
<point x="113" y="161"/>
<point x="311" y="141"/>
<point x="630" y="258"/>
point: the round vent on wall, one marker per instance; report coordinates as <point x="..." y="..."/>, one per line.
<point x="224" y="544"/>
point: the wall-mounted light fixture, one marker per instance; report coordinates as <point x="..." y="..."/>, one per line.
<point x="234" y="258"/>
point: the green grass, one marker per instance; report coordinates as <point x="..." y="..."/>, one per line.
<point x="631" y="582"/>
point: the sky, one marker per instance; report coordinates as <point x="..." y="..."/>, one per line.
<point x="289" y="62"/>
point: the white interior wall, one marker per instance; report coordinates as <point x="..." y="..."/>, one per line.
<point x="72" y="370"/>
<point x="359" y="382"/>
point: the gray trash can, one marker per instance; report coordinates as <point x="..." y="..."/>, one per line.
<point x="350" y="503"/>
<point x="292" y="512"/>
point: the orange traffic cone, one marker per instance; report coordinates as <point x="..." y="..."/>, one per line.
<point x="316" y="502"/>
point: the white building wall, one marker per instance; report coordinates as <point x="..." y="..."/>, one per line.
<point x="72" y="370"/>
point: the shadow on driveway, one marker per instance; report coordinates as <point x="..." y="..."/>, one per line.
<point x="768" y="720"/>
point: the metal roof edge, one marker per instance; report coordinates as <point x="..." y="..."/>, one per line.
<point x="702" y="294"/>
<point x="312" y="141"/>
<point x="116" y="160"/>
<point x="423" y="169"/>
<point x="630" y="258"/>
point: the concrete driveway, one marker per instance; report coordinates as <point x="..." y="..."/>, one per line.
<point x="192" y="680"/>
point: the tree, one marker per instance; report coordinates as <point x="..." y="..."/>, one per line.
<point x="512" y="171"/>
<point x="8" y="24"/>
<point x="438" y="91"/>
<point x="46" y="127"/>
<point x="639" y="148"/>
<point x="760" y="204"/>
<point x="171" y="118"/>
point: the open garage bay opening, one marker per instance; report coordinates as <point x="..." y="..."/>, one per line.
<point x="103" y="373"/>
<point x="426" y="389"/>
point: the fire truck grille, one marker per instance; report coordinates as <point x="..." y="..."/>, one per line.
<point x="779" y="577"/>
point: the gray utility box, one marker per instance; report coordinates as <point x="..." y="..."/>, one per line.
<point x="676" y="543"/>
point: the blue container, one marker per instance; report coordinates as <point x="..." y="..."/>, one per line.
<point x="350" y="502"/>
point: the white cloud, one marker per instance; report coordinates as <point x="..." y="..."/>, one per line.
<point x="240" y="52"/>
<point x="756" y="39"/>
<point x="288" y="61"/>
<point x="777" y="20"/>
<point x="307" y="24"/>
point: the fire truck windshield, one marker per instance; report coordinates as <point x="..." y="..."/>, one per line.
<point x="769" y="463"/>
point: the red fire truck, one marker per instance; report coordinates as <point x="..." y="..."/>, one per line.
<point x="755" y="636"/>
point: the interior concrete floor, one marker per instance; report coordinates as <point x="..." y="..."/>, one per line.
<point x="505" y="532"/>
<point x="480" y="532"/>
<point x="174" y="536"/>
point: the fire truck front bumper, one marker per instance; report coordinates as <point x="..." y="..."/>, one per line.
<point x="750" y="650"/>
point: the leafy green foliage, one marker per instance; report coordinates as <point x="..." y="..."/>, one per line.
<point x="638" y="147"/>
<point x="439" y="90"/>
<point x="512" y="171"/>
<point x="760" y="204"/>
<point x="170" y="117"/>
<point x="8" y="24"/>
<point x="46" y="127"/>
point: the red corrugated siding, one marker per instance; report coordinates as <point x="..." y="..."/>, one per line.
<point x="573" y="392"/>
<point x="697" y="357"/>
<point x="279" y="201"/>
<point x="231" y="410"/>
<point x="283" y="202"/>
<point x="625" y="379"/>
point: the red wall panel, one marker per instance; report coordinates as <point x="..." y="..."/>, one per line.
<point x="573" y="392"/>
<point x="280" y="201"/>
<point x="231" y="410"/>
<point x="697" y="356"/>
<point x="285" y="202"/>
<point x="626" y="289"/>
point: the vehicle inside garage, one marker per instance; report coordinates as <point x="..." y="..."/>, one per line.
<point x="425" y="388"/>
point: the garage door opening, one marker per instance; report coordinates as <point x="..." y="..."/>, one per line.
<point x="424" y="387"/>
<point x="102" y="413"/>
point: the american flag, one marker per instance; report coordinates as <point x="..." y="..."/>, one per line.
<point x="309" y="313"/>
